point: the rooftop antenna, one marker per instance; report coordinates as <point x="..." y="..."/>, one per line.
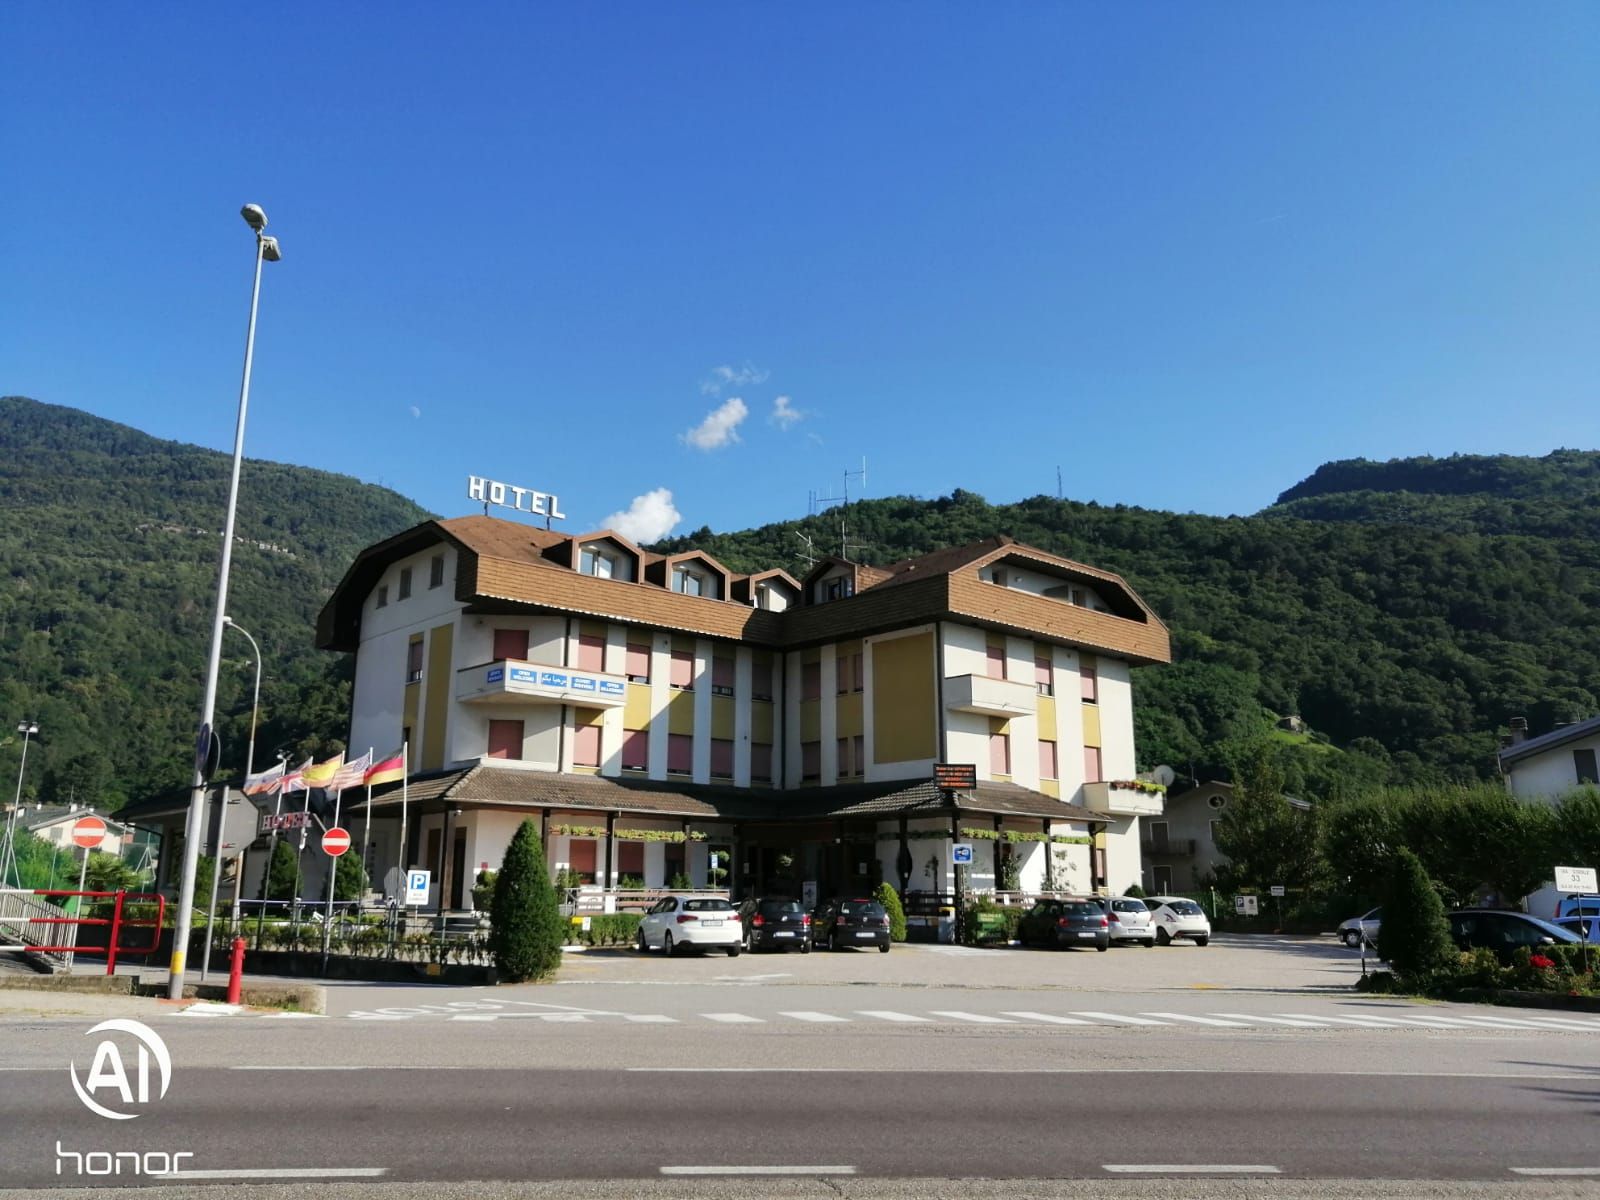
<point x="809" y="554"/>
<point x="1058" y="483"/>
<point x="820" y="502"/>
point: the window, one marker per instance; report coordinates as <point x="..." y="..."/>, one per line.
<point x="581" y="858"/>
<point x="860" y="759"/>
<point x="586" y="746"/>
<point x="630" y="859"/>
<point x="722" y="676"/>
<point x="850" y="673"/>
<point x="999" y="754"/>
<point x="1091" y="764"/>
<point x="680" y="754"/>
<point x="1089" y="681"/>
<point x="1080" y="597"/>
<point x="761" y="677"/>
<point x="414" y="660"/>
<point x="682" y="675"/>
<point x="510" y="643"/>
<point x="594" y="562"/>
<point x="1042" y="677"/>
<point x="591" y="652"/>
<point x="436" y="571"/>
<point x="638" y="665"/>
<point x="810" y="760"/>
<point x="841" y="587"/>
<point x="1583" y="760"/>
<point x="721" y="758"/>
<point x="405" y="583"/>
<point x="505" y="739"/>
<point x="383" y="595"/>
<point x="760" y="762"/>
<point x="995" y="665"/>
<point x="1047" y="761"/>
<point x="843" y="752"/>
<point x="811" y="681"/>
<point x="1158" y="836"/>
<point x="687" y="582"/>
<point x="1214" y="827"/>
<point x="636" y="750"/>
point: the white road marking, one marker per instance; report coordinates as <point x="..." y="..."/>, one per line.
<point x="312" y="1067"/>
<point x="564" y="1018"/>
<point x="281" y="1173"/>
<point x="1199" y="1020"/>
<point x="885" y="1014"/>
<point x="1562" y="1023"/>
<point x="1555" y="1170"/>
<point x="833" y="1170"/>
<point x="1296" y="1022"/>
<point x="755" y="978"/>
<point x="1118" y="1018"/>
<point x="733" y="1018"/>
<point x="207" y="1008"/>
<point x="297" y="1016"/>
<point x="1502" y="1023"/>
<point x="818" y="1017"/>
<point x="971" y="1018"/>
<point x="1048" y="1018"/>
<point x="1361" y="1022"/>
<point x="650" y="1018"/>
<point x="1190" y="1169"/>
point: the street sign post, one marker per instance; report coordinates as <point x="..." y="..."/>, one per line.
<point x="417" y="885"/>
<point x="335" y="842"/>
<point x="88" y="832"/>
<point x="1277" y="890"/>
<point x="1578" y="880"/>
<point x="961" y="855"/>
<point x="1246" y="906"/>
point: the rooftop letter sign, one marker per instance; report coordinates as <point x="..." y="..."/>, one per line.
<point x="492" y="491"/>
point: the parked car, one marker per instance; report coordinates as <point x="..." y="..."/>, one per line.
<point x="1574" y="925"/>
<point x="1175" y="917"/>
<point x="1130" y="920"/>
<point x="776" y="923"/>
<point x="1351" y="932"/>
<point x="1503" y="932"/>
<point x="1066" y="922"/>
<point x="840" y="923"/>
<point x="701" y="922"/>
<point x="1578" y="906"/>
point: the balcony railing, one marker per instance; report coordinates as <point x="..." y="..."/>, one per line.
<point x="1121" y="801"/>
<point x="981" y="694"/>
<point x="1169" y="847"/>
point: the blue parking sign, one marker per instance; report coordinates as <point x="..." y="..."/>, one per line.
<point x="961" y="854"/>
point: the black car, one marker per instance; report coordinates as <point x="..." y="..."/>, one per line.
<point x="841" y="923"/>
<point x="1065" y="923"/>
<point x="1503" y="932"/>
<point x="775" y="923"/>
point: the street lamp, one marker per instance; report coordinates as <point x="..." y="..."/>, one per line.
<point x="222" y="808"/>
<point x="266" y="251"/>
<point x="8" y="861"/>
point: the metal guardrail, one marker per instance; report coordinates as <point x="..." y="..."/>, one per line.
<point x="36" y="922"/>
<point x="1181" y="847"/>
<point x="19" y="909"/>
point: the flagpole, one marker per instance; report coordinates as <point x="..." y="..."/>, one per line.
<point x="272" y="853"/>
<point x="366" y="825"/>
<point x="405" y="783"/>
<point x="333" y="865"/>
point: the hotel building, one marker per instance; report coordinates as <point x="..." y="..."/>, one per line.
<point x="664" y="718"/>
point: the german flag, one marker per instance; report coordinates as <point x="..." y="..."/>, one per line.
<point x="390" y="770"/>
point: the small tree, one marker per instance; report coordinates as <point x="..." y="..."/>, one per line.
<point x="1134" y="890"/>
<point x="1414" y="936"/>
<point x="349" y="878"/>
<point x="282" y="878"/>
<point x="890" y="899"/>
<point x="525" y="931"/>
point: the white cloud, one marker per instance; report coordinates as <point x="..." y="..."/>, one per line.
<point x="720" y="427"/>
<point x="724" y="377"/>
<point x="416" y="412"/>
<point x="785" y="415"/>
<point x="814" y="439"/>
<point x="648" y="519"/>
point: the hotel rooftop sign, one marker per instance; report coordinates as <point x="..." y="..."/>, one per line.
<point x="492" y="491"/>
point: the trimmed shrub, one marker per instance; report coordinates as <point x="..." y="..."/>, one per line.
<point x="1137" y="892"/>
<point x="890" y="899"/>
<point x="483" y="892"/>
<point x="525" y="926"/>
<point x="1414" y="936"/>
<point x="984" y="922"/>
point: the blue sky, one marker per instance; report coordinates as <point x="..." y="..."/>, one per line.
<point x="1186" y="253"/>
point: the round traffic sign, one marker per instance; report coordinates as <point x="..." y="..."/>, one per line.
<point x="336" y="841"/>
<point x="88" y="832"/>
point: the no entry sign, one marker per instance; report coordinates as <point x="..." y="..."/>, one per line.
<point x="335" y="842"/>
<point x="88" y="832"/>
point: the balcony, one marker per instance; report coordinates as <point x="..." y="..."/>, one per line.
<point x="1004" y="698"/>
<point x="512" y="681"/>
<point x="1118" y="800"/>
<point x="1168" y="847"/>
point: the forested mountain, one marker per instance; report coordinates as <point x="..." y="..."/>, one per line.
<point x="108" y="544"/>
<point x="1432" y="600"/>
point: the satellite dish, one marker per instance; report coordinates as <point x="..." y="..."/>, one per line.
<point x="1164" y="775"/>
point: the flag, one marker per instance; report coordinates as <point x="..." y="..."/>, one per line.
<point x="295" y="780"/>
<point x="352" y="773"/>
<point x="388" y="771"/>
<point x="266" y="783"/>
<point x="321" y="775"/>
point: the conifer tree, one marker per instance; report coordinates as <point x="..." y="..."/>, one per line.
<point x="525" y="931"/>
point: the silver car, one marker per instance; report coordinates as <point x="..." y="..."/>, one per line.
<point x="1130" y="920"/>
<point x="1352" y="932"/>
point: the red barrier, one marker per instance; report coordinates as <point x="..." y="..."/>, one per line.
<point x="116" y="920"/>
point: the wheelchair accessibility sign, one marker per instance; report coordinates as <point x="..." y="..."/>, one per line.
<point x="961" y="855"/>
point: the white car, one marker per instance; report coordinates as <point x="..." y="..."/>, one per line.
<point x="706" y="922"/>
<point x="1352" y="931"/>
<point x="1130" y="920"/>
<point x="1175" y="917"/>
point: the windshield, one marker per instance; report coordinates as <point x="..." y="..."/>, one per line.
<point x="862" y="908"/>
<point x="715" y="904"/>
<point x="778" y="908"/>
<point x="1129" y="906"/>
<point x="1187" y="908"/>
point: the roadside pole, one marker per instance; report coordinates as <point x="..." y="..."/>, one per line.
<point x="83" y="874"/>
<point x="333" y="871"/>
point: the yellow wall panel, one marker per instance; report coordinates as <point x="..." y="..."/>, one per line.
<point x="680" y="713"/>
<point x="1091" y="725"/>
<point x="436" y="703"/>
<point x="1050" y="788"/>
<point x="1047" y="718"/>
<point x="636" y="708"/>
<point x="761" y="723"/>
<point x="903" y="699"/>
<point x="850" y="720"/>
<point x="810" y="720"/>
<point x="722" y="717"/>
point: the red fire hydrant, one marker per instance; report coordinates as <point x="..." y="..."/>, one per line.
<point x="236" y="971"/>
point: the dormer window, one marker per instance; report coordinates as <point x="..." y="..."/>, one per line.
<point x="840" y="587"/>
<point x="597" y="563"/>
<point x="690" y="583"/>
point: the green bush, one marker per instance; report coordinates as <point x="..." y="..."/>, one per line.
<point x="1415" y="937"/>
<point x="986" y="923"/>
<point x="890" y="899"/>
<point x="1137" y="892"/>
<point x="483" y="892"/>
<point x="605" y="929"/>
<point x="680" y="883"/>
<point x="525" y="926"/>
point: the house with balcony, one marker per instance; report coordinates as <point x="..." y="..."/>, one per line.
<point x="663" y="718"/>
<point x="1541" y="769"/>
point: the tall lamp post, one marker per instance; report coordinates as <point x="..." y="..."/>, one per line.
<point x="266" y="251"/>
<point x="8" y="860"/>
<point x="222" y="809"/>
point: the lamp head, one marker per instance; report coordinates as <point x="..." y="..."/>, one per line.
<point x="269" y="249"/>
<point x="227" y="620"/>
<point x="254" y="217"/>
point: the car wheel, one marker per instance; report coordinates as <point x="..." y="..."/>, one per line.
<point x="735" y="950"/>
<point x="639" y="944"/>
<point x="1147" y="943"/>
<point x="666" y="944"/>
<point x="883" y="949"/>
<point x="748" y="944"/>
<point x="1351" y="938"/>
<point x="1163" y="938"/>
<point x="1102" y="949"/>
<point x="805" y="946"/>
<point x="1201" y="941"/>
<point x="833" y="941"/>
